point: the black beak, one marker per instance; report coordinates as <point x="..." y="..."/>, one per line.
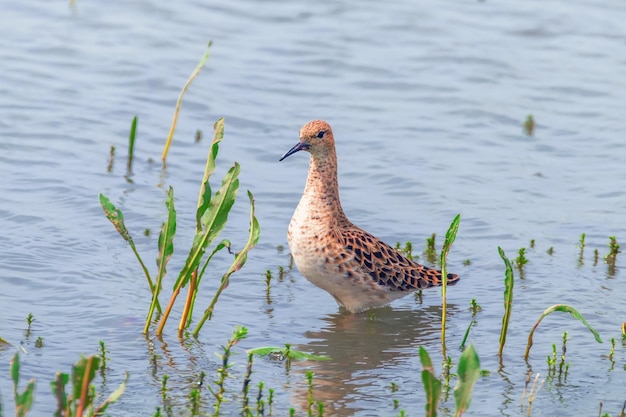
<point x="299" y="146"/>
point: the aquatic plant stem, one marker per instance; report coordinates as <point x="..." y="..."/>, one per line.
<point x="179" y="102"/>
<point x="508" y="300"/>
<point x="85" y="387"/>
<point x="188" y="302"/>
<point x="131" y="145"/>
<point x="564" y="308"/>
<point x="450" y="237"/>
<point x="240" y="260"/>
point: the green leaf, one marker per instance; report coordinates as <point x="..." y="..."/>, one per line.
<point x="24" y="401"/>
<point x="213" y="222"/>
<point x="450" y="238"/>
<point x="131" y="144"/>
<point x="468" y="371"/>
<point x="563" y="308"/>
<point x="15" y="371"/>
<point x="432" y="385"/>
<point x="204" y="197"/>
<point x="286" y="353"/>
<point x="116" y="217"/>
<point x="166" y="237"/>
<point x="508" y="298"/>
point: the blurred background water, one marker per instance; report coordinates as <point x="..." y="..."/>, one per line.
<point x="427" y="102"/>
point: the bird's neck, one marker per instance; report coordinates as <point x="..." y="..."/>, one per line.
<point x="321" y="193"/>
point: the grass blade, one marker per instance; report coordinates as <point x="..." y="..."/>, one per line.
<point x="566" y="309"/>
<point x="179" y="102"/>
<point x="166" y="249"/>
<point x="447" y="244"/>
<point x="468" y="371"/>
<point x="131" y="145"/>
<point x="432" y="384"/>
<point x="508" y="299"/>
<point x="238" y="263"/>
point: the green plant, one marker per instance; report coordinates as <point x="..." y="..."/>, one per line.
<point x="29" y="320"/>
<point x="447" y="244"/>
<point x="532" y="244"/>
<point x="430" y="251"/>
<point x="521" y="259"/>
<point x="581" y="245"/>
<point x="611" y="257"/>
<point x="468" y="372"/>
<point x="529" y="125"/>
<point x="211" y="216"/>
<point x="550" y="251"/>
<point x="474" y="307"/>
<point x="131" y="145"/>
<point x="286" y="353"/>
<point x="509" y="283"/>
<point x="563" y="308"/>
<point x="80" y="401"/>
<point x="268" y="278"/>
<point x="239" y="333"/>
<point x="23" y="400"/>
<point x="39" y="342"/>
<point x="467" y="331"/>
<point x="103" y="355"/>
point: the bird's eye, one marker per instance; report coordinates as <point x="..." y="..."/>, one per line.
<point x="321" y="134"/>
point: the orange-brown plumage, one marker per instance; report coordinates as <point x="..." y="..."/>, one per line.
<point x="359" y="270"/>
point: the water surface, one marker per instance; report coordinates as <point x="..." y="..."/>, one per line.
<point x="426" y="102"/>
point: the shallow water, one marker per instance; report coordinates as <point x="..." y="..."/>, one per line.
<point x="426" y="101"/>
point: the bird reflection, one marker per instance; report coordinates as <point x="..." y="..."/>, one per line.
<point x="364" y="347"/>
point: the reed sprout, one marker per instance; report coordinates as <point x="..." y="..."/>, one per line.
<point x="509" y="283"/>
<point x="447" y="244"/>
<point x="581" y="245"/>
<point x="131" y="145"/>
